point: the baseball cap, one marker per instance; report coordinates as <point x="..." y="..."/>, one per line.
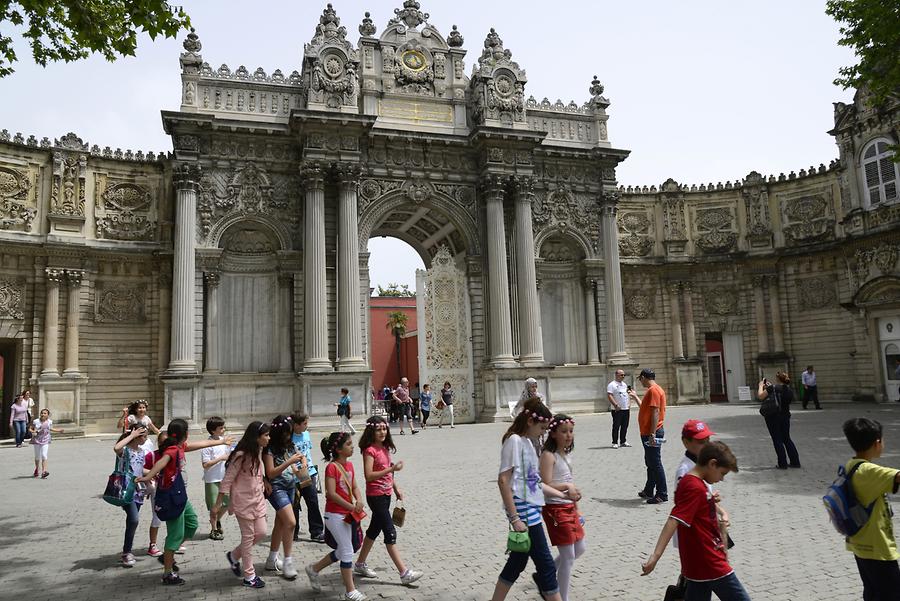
<point x="648" y="373"/>
<point x="696" y="429"/>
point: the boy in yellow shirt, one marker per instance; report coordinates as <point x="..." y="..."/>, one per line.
<point x="874" y="545"/>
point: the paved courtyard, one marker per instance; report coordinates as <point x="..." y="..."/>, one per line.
<point x="58" y="540"/>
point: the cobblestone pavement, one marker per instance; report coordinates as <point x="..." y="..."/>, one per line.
<point x="68" y="546"/>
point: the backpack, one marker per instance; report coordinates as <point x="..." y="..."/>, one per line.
<point x="169" y="503"/>
<point x="846" y="513"/>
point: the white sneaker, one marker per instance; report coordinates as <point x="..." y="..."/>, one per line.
<point x="363" y="570"/>
<point x="290" y="572"/>
<point x="410" y="576"/>
<point x="128" y="560"/>
<point x="625" y="444"/>
<point x="181" y="550"/>
<point x="354" y="596"/>
<point x="313" y="576"/>
<point x="274" y="565"/>
<point x="615" y="445"/>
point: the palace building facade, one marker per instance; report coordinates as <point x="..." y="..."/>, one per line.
<point x="229" y="276"/>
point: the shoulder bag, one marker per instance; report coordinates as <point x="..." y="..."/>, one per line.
<point x="120" y="484"/>
<point x="356" y="533"/>
<point x="771" y="404"/>
<point x="519" y="542"/>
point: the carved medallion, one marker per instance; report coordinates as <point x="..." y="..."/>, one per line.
<point x="414" y="60"/>
<point x="119" y="303"/>
<point x="12" y="296"/>
<point x="720" y="301"/>
<point x="817" y="292"/>
<point x="639" y="305"/>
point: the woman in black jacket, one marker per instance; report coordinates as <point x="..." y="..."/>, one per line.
<point x="779" y="423"/>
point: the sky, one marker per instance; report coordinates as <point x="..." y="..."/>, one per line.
<point x="701" y="91"/>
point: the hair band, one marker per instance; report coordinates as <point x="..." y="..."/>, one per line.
<point x="534" y="415"/>
<point x="555" y="423"/>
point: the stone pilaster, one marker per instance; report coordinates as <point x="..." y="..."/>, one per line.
<point x="314" y="280"/>
<point x="690" y="333"/>
<point x="349" y="322"/>
<point x="501" y="330"/>
<point x="775" y="311"/>
<point x="590" y="310"/>
<point x="614" y="302"/>
<point x="675" y="317"/>
<point x="211" y="351"/>
<point x="51" y="323"/>
<point x="286" y="289"/>
<point x="760" y="314"/>
<point x="187" y="181"/>
<point x="531" y="344"/>
<point x="73" y="317"/>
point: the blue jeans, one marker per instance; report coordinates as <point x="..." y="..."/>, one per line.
<point x="727" y="588"/>
<point x="313" y="514"/>
<point x="281" y="497"/>
<point x="19" y="428"/>
<point x="132" y="516"/>
<point x="656" y="476"/>
<point x="543" y="562"/>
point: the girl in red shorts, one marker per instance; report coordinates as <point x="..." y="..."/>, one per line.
<point x="564" y="522"/>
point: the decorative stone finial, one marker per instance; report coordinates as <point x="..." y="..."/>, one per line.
<point x="367" y="27"/>
<point x="455" y="39"/>
<point x="192" y="43"/>
<point x="329" y="16"/>
<point x="71" y="141"/>
<point x="596" y="87"/>
<point x="493" y="41"/>
<point x="410" y="13"/>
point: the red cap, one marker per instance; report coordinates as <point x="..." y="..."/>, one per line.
<point x="696" y="429"/>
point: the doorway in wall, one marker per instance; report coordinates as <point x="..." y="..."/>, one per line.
<point x="9" y="360"/>
<point x="715" y="367"/>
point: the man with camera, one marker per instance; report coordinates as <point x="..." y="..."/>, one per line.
<point x="651" y="415"/>
<point x="617" y="395"/>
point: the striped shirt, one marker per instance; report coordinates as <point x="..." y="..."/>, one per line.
<point x="530" y="514"/>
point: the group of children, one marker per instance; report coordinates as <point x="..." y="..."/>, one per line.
<point x="271" y="463"/>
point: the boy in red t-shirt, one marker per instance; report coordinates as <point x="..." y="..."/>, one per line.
<point x="704" y="558"/>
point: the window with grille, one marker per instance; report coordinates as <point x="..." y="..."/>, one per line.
<point x="881" y="175"/>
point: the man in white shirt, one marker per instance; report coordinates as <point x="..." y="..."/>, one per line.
<point x="810" y="390"/>
<point x="617" y="395"/>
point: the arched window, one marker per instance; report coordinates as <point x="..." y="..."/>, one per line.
<point x="879" y="172"/>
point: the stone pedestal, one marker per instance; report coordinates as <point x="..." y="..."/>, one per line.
<point x="689" y="382"/>
<point x="62" y="396"/>
<point x="182" y="397"/>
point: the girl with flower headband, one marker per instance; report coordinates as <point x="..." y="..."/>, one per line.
<point x="564" y="521"/>
<point x="342" y="501"/>
<point x="523" y="495"/>
<point x="377" y="445"/>
<point x="280" y="459"/>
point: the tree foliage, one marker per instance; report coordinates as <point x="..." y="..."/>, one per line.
<point x="69" y="30"/>
<point x="872" y="29"/>
<point x="394" y="289"/>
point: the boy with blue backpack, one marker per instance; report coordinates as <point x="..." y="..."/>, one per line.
<point x="873" y="543"/>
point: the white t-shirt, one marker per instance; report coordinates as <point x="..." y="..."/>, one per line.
<point x="132" y="420"/>
<point x="217" y="472"/>
<point x="562" y="472"/>
<point x="619" y="391"/>
<point x="527" y="475"/>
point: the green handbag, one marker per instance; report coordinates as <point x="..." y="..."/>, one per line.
<point x="519" y="542"/>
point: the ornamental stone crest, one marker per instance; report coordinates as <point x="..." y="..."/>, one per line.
<point x="756" y="205"/>
<point x="720" y="301"/>
<point x="16" y="200"/>
<point x="807" y="220"/>
<point x="123" y="212"/>
<point x="639" y="304"/>
<point x="68" y="188"/>
<point x="498" y="87"/>
<point x="883" y="257"/>
<point x="816" y="293"/>
<point x="634" y="234"/>
<point x="563" y="210"/>
<point x="673" y="212"/>
<point x="119" y="303"/>
<point x="12" y="298"/>
<point x="330" y="66"/>
<point x="715" y="230"/>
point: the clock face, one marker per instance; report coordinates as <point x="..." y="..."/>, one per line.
<point x="414" y="60"/>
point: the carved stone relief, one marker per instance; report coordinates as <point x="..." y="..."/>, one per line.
<point x="124" y="211"/>
<point x="563" y="209"/>
<point x="119" y="303"/>
<point x="673" y="212"/>
<point x="67" y="193"/>
<point x="635" y="234"/>
<point x="640" y="304"/>
<point x="720" y="301"/>
<point x="330" y="65"/>
<point x="17" y="210"/>
<point x="807" y="219"/>
<point x="883" y="257"/>
<point x="12" y="298"/>
<point x="756" y="205"/>
<point x="715" y="230"/>
<point x="498" y="85"/>
<point x="816" y="292"/>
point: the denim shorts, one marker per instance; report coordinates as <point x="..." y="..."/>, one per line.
<point x="281" y="497"/>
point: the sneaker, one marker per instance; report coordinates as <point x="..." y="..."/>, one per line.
<point x="274" y="565"/>
<point x="361" y="569"/>
<point x="44" y="475"/>
<point x="257" y="582"/>
<point x="415" y="431"/>
<point x="162" y="560"/>
<point x="625" y="444"/>
<point x="656" y="501"/>
<point x="181" y="550"/>
<point x="153" y="551"/>
<point x="615" y="445"/>
<point x="402" y="433"/>
<point x="643" y="495"/>
<point x="319" y="538"/>
<point x="172" y="579"/>
<point x="234" y="565"/>
<point x="290" y="572"/>
<point x="354" y="596"/>
<point x="313" y="576"/>
<point x="410" y="576"/>
<point x="452" y="426"/>
<point x="128" y="560"/>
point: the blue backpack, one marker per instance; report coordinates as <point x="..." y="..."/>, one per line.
<point x="846" y="513"/>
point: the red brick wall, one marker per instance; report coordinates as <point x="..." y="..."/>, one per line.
<point x="382" y="354"/>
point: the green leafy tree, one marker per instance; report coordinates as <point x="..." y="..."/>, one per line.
<point x="396" y="323"/>
<point x="69" y="30"/>
<point x="397" y="290"/>
<point x="872" y="29"/>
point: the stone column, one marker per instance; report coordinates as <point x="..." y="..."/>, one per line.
<point x="51" y="322"/>
<point x="615" y="305"/>
<point x="675" y="316"/>
<point x="590" y="309"/>
<point x="501" y="330"/>
<point x="760" y="310"/>
<point x="286" y="288"/>
<point x="349" y="322"/>
<point x="72" y="319"/>
<point x="164" y="283"/>
<point x="531" y="344"/>
<point x="314" y="281"/>
<point x="211" y="352"/>
<point x="187" y="181"/>
<point x="690" y="334"/>
<point x="775" y="310"/>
